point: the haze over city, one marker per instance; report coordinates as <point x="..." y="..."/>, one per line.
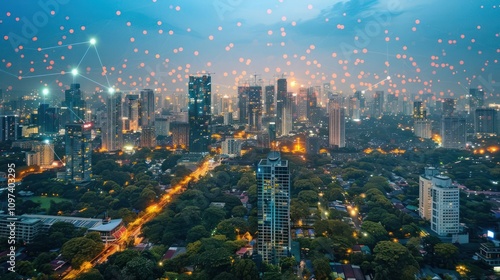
<point x="424" y="46"/>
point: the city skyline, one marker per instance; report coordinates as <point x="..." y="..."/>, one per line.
<point x="353" y="45"/>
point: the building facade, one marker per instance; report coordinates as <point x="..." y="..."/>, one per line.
<point x="180" y="134"/>
<point x="280" y="106"/>
<point x="112" y="136"/>
<point x="273" y="208"/>
<point x="78" y="147"/>
<point x="9" y="128"/>
<point x="453" y="132"/>
<point x="336" y="123"/>
<point x="424" y="194"/>
<point x="255" y="108"/>
<point x="445" y="206"/>
<point x="485" y="121"/>
<point x="147" y="108"/>
<point x="199" y="113"/>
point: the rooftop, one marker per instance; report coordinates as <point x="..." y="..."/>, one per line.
<point x="108" y="226"/>
<point x="76" y="221"/>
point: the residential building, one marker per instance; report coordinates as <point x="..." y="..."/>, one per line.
<point x="273" y="208"/>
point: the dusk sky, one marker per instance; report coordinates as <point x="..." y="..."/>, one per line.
<point x="440" y="47"/>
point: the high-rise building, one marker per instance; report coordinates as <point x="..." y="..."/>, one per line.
<point x="360" y="95"/>
<point x="131" y="112"/>
<point x="336" y="122"/>
<point x="448" y="107"/>
<point x="378" y="104"/>
<point x="112" y="136"/>
<point x="424" y="194"/>
<point x="485" y="121"/>
<point x="9" y="128"/>
<point x="32" y="158"/>
<point x="422" y="128"/>
<point x="42" y="117"/>
<point x="180" y="134"/>
<point x="148" y="137"/>
<point x="226" y="104"/>
<point x="273" y="208"/>
<point x="354" y="108"/>
<point x="313" y="145"/>
<point x="391" y="106"/>
<point x="313" y="105"/>
<point x="42" y="154"/>
<point x="445" y="206"/>
<point x="78" y="146"/>
<point x="162" y="126"/>
<point x="73" y="106"/>
<point x="231" y="147"/>
<point x="476" y="99"/>
<point x="147" y="107"/>
<point x="421" y="125"/>
<point x="200" y="114"/>
<point x="271" y="129"/>
<point x="453" y="133"/>
<point x="280" y="106"/>
<point x="325" y="92"/>
<point x="243" y="104"/>
<point x="287" y="120"/>
<point x="45" y="150"/>
<point x="255" y="108"/>
<point x="270" y="108"/>
<point x="302" y="104"/>
<point x="419" y="111"/>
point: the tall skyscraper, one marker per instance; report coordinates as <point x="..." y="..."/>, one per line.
<point x="439" y="202"/>
<point x="302" y="104"/>
<point x="476" y="99"/>
<point x="273" y="208"/>
<point x="378" y="104"/>
<point x="269" y="101"/>
<point x="255" y="108"/>
<point x="445" y="206"/>
<point x="312" y="105"/>
<point x="131" y="112"/>
<point x="112" y="133"/>
<point x="354" y="108"/>
<point x="361" y="97"/>
<point x="226" y="104"/>
<point x="199" y="111"/>
<point x="336" y="122"/>
<point x="147" y="108"/>
<point x="9" y="128"/>
<point x="78" y="146"/>
<point x="280" y="106"/>
<point x="419" y="111"/>
<point x="287" y="121"/>
<point x="42" y="117"/>
<point x="424" y="194"/>
<point x="448" y="107"/>
<point x="485" y="121"/>
<point x="73" y="106"/>
<point x="243" y="104"/>
<point x="421" y="125"/>
<point x="453" y="133"/>
<point x="391" y="105"/>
